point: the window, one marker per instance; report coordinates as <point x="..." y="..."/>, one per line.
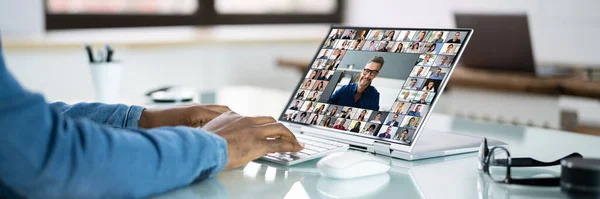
<point x="71" y="14"/>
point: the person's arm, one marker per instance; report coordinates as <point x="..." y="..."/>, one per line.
<point x="115" y="115"/>
<point x="45" y="154"/>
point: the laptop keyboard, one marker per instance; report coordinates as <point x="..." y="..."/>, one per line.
<point x="313" y="148"/>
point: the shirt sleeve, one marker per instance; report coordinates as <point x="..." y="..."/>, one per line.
<point x="46" y="154"/>
<point x="116" y="115"/>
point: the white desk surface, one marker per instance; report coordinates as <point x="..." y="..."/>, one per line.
<point x="449" y="177"/>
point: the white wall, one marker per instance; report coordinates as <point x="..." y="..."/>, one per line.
<point x="21" y="17"/>
<point x="65" y="75"/>
<point x="563" y="31"/>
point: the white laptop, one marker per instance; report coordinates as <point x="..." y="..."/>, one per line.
<point x="373" y="89"/>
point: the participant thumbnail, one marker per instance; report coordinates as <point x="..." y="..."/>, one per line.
<point x="370" y="46"/>
<point x="420" y="36"/>
<point x="342" y="124"/>
<point x="296" y="105"/>
<point x="420" y="71"/>
<point x="394" y="120"/>
<point x="370" y="129"/>
<point x="343" y="44"/>
<point x="301" y="94"/>
<point x="347" y="112"/>
<point x="289" y="115"/>
<point x="407" y="95"/>
<point x="414" y="84"/>
<point x="432" y="48"/>
<point x="362" y="115"/>
<point x="349" y="34"/>
<point x="361" y="44"/>
<point x="333" y="110"/>
<point x="320" y="85"/>
<point x="353" y="44"/>
<point x="415" y="47"/>
<point x="406" y="35"/>
<point x="444" y="61"/>
<point x="399" y="47"/>
<point x="329" y="43"/>
<point x="426" y="60"/>
<point x="313" y="96"/>
<point x="375" y="35"/>
<point x="384" y="46"/>
<point x="336" y="34"/>
<point x="320" y="108"/>
<point x="410" y="122"/>
<point x="308" y="84"/>
<point x="312" y="74"/>
<point x="400" y="108"/>
<point x="437" y="36"/>
<point x="424" y="97"/>
<point x="324" y="54"/>
<point x="327" y="122"/>
<point x="390" y="35"/>
<point x="302" y="117"/>
<point x="431" y="85"/>
<point x="361" y="34"/>
<point x="437" y="73"/>
<point x="337" y="54"/>
<point x="378" y="117"/>
<point x="449" y="49"/>
<point x="319" y="64"/>
<point x="307" y="106"/>
<point x="387" y="132"/>
<point x="315" y="119"/>
<point x="418" y="110"/>
<point x="457" y="37"/>
<point x="404" y="135"/>
<point x="356" y="126"/>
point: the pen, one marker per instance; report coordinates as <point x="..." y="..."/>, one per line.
<point x="88" y="48"/>
<point x="109" y="53"/>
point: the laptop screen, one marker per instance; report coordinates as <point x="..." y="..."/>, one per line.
<point x="376" y="83"/>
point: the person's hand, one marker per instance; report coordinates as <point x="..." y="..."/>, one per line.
<point x="249" y="138"/>
<point x="186" y="115"/>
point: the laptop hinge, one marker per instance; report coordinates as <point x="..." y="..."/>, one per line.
<point x="382" y="148"/>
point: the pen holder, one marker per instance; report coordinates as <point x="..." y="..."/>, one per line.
<point x="106" y="78"/>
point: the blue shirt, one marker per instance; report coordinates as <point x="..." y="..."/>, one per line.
<point x="383" y="135"/>
<point x="345" y="96"/>
<point x="412" y="113"/>
<point x="433" y="76"/>
<point x="93" y="150"/>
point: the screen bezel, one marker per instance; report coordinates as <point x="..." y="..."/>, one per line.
<point x="425" y="118"/>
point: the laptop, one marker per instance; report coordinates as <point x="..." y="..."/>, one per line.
<point x="487" y="51"/>
<point x="373" y="89"/>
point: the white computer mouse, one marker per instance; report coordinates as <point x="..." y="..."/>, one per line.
<point x="351" y="164"/>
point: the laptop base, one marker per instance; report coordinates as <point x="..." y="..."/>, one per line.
<point x="437" y="144"/>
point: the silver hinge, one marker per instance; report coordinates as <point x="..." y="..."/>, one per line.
<point x="382" y="148"/>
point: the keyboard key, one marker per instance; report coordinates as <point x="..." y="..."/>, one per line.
<point x="320" y="149"/>
<point x="297" y="156"/>
<point x="309" y="151"/>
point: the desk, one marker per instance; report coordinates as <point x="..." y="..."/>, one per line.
<point x="447" y="177"/>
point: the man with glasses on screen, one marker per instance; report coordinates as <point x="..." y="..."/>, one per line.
<point x="361" y="94"/>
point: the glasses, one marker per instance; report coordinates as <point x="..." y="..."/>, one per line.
<point x="497" y="162"/>
<point x="370" y="72"/>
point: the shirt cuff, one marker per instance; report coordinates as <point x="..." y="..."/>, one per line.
<point x="132" y="117"/>
<point x="222" y="158"/>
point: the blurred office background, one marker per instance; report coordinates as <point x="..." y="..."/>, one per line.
<point x="214" y="44"/>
